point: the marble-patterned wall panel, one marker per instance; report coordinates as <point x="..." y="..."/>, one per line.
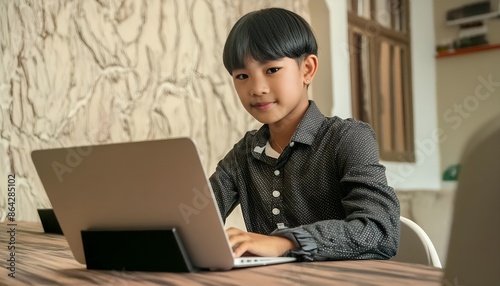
<point x="78" y="72"/>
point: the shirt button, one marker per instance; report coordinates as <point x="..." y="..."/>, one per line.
<point x="292" y="143"/>
<point x="276" y="194"/>
<point x="276" y="211"/>
<point x="277" y="172"/>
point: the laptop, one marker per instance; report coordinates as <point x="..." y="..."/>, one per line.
<point x="143" y="185"/>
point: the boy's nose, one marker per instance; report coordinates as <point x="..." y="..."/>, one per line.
<point x="259" y="87"/>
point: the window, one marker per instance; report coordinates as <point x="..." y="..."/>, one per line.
<point x="379" y="50"/>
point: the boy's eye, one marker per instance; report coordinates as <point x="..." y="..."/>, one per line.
<point x="241" y="76"/>
<point x="272" y="70"/>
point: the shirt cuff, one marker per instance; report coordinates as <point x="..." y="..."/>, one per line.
<point x="304" y="242"/>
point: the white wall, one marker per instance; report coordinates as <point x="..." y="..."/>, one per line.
<point x="425" y="173"/>
<point x="340" y="53"/>
<point x="473" y="98"/>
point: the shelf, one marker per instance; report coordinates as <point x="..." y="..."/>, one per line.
<point x="467" y="50"/>
<point x="473" y="18"/>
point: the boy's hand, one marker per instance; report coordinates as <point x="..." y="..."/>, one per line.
<point x="257" y="244"/>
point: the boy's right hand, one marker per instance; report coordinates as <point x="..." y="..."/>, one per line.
<point x="257" y="244"/>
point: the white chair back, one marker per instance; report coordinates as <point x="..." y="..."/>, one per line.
<point x="415" y="246"/>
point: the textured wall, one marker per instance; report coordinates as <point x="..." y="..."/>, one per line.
<point x="104" y="71"/>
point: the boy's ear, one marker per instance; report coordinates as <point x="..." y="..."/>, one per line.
<point x="310" y="66"/>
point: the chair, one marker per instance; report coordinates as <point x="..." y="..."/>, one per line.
<point x="415" y="246"/>
<point x="474" y="246"/>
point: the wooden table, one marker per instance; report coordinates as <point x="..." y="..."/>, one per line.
<point x="45" y="259"/>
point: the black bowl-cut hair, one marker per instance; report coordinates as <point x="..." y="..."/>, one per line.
<point x="268" y="34"/>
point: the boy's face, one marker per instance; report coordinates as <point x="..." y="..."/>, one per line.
<point x="272" y="91"/>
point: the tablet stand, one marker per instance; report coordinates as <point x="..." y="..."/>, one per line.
<point x="135" y="250"/>
<point x="49" y="221"/>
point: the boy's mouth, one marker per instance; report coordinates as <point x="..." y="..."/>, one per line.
<point x="262" y="105"/>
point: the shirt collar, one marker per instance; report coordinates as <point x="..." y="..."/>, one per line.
<point x="306" y="130"/>
<point x="309" y="125"/>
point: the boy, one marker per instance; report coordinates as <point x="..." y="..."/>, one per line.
<point x="309" y="186"/>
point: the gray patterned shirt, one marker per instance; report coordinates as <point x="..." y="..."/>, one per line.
<point x="327" y="191"/>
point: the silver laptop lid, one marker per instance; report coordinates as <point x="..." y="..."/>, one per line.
<point x="139" y="185"/>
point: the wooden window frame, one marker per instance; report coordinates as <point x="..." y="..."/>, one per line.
<point x="360" y="25"/>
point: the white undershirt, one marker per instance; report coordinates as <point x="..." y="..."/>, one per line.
<point x="270" y="152"/>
